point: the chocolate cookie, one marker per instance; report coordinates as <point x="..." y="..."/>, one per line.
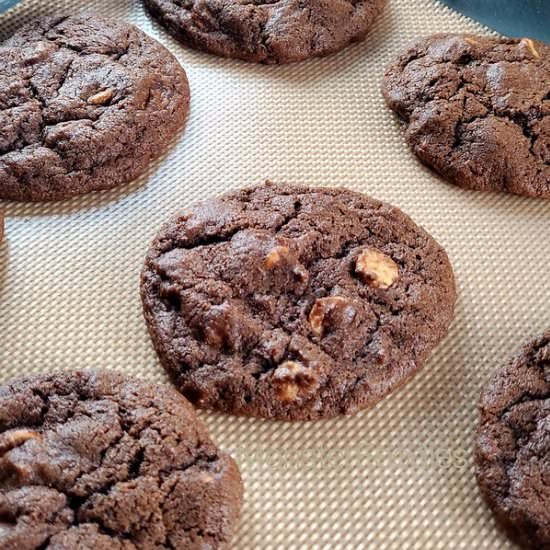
<point x="95" y="460"/>
<point x="85" y="104"/>
<point x="477" y="110"/>
<point x="267" y="31"/>
<point x="513" y="445"/>
<point x="293" y="302"/>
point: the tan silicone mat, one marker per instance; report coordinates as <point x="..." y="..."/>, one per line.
<point x="398" y="476"/>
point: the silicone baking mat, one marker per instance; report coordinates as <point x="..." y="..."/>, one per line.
<point x="397" y="476"/>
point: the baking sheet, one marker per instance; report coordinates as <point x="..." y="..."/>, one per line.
<point x="398" y="476"/>
<point x="511" y="17"/>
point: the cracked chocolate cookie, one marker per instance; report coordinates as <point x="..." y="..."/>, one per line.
<point x="477" y="110"/>
<point x="513" y="445"/>
<point x="85" y="104"/>
<point x="267" y="31"/>
<point x="95" y="460"/>
<point x="293" y="302"/>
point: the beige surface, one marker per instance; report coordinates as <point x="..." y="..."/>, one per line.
<point x="398" y="476"/>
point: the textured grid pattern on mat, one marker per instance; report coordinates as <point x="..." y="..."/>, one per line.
<point x="398" y="476"/>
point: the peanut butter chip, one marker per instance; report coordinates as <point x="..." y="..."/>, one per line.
<point x="101" y="98"/>
<point x="292" y="379"/>
<point x="321" y="308"/>
<point x="288" y="392"/>
<point x="376" y="269"/>
<point x="15" y="438"/>
<point x="471" y="41"/>
<point x="281" y="257"/>
<point x="276" y="256"/>
<point x="531" y="46"/>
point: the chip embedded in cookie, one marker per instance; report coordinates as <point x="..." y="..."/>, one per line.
<point x="513" y="445"/>
<point x="477" y="110"/>
<point x="294" y="303"/>
<point x="85" y="104"/>
<point x="267" y="31"/>
<point x="96" y="460"/>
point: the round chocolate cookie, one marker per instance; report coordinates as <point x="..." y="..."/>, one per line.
<point x="294" y="302"/>
<point x="477" y="110"/>
<point x="267" y="31"/>
<point x="95" y="460"/>
<point x="85" y="104"/>
<point x="513" y="445"/>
